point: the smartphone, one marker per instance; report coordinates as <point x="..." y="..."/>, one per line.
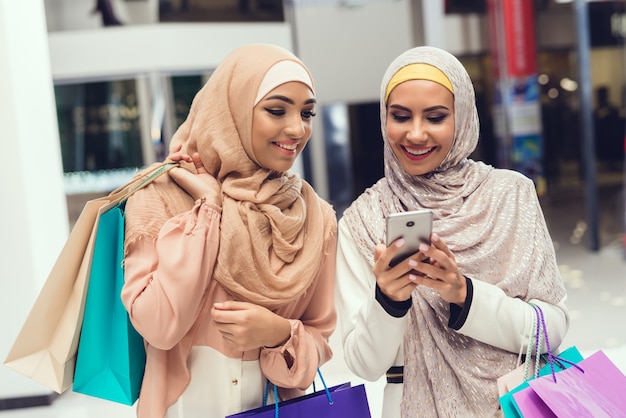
<point x="414" y="226"/>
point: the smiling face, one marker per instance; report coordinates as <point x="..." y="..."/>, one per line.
<point x="282" y="125"/>
<point x="420" y="124"/>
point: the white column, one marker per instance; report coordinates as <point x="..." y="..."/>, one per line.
<point x="433" y="21"/>
<point x="33" y="210"/>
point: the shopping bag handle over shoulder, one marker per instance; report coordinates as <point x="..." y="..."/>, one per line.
<point x="122" y="193"/>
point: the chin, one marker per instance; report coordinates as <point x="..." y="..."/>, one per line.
<point x="416" y="171"/>
<point x="280" y="168"/>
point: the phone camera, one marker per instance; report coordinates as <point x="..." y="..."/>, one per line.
<point x="410" y="224"/>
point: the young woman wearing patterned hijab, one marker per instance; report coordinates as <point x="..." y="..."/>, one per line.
<point x="455" y="325"/>
<point x="230" y="259"/>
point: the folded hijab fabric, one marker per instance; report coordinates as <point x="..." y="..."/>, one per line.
<point x="493" y="224"/>
<point x="273" y="224"/>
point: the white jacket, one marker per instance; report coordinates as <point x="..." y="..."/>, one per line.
<point x="373" y="340"/>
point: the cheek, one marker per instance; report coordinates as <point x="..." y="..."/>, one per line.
<point x="447" y="137"/>
<point x="450" y="129"/>
<point x="394" y="132"/>
<point x="308" y="131"/>
<point x="261" y="130"/>
<point x="306" y="136"/>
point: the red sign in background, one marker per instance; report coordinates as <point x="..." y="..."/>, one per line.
<point x="520" y="37"/>
<point x="516" y="102"/>
<point x="518" y="33"/>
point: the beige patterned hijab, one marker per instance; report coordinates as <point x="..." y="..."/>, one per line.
<point x="492" y="222"/>
<point x="273" y="226"/>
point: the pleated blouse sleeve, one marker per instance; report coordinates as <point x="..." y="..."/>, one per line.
<point x="294" y="364"/>
<point x="166" y="279"/>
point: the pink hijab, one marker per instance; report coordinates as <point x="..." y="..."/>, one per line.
<point x="274" y="225"/>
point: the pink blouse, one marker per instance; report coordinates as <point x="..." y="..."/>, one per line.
<point x="168" y="293"/>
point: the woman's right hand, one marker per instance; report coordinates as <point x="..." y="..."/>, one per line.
<point x="199" y="186"/>
<point x="176" y="155"/>
<point x="396" y="282"/>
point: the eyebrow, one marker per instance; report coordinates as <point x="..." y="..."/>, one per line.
<point x="406" y="109"/>
<point x="288" y="100"/>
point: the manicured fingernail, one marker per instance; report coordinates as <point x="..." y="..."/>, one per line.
<point x="423" y="247"/>
<point x="434" y="237"/>
<point x="400" y="242"/>
<point x="412" y="263"/>
<point x="412" y="277"/>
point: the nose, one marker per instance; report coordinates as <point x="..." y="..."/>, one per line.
<point x="417" y="132"/>
<point x="294" y="127"/>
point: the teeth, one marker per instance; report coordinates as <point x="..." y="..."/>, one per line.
<point x="418" y="152"/>
<point x="287" y="147"/>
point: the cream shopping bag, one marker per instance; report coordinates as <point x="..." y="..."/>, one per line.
<point x="45" y="349"/>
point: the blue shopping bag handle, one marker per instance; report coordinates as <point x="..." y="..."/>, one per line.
<point x="267" y="390"/>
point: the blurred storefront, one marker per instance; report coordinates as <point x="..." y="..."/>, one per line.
<point x="109" y="127"/>
<point x="559" y="79"/>
<point x="112" y="123"/>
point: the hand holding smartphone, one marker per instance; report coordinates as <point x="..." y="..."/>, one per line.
<point x="414" y="226"/>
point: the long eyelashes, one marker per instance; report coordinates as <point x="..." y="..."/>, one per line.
<point x="400" y="118"/>
<point x="437" y="119"/>
<point x="306" y="114"/>
<point x="275" y="112"/>
<point x="431" y="119"/>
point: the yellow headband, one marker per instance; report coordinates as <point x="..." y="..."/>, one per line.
<point x="418" y="71"/>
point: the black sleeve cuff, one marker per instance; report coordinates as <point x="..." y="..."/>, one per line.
<point x="458" y="315"/>
<point x="392" y="307"/>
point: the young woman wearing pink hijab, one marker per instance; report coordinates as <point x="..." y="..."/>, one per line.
<point x="443" y="331"/>
<point x="230" y="259"/>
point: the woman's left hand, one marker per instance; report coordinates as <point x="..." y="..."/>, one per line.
<point x="441" y="272"/>
<point x="247" y="326"/>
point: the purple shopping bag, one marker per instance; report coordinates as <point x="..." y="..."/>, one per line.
<point x="345" y="401"/>
<point x="529" y="404"/>
<point x="595" y="388"/>
<point x="599" y="390"/>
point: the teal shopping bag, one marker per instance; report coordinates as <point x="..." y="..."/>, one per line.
<point x="111" y="355"/>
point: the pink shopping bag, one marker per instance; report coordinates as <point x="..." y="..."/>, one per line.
<point x="596" y="389"/>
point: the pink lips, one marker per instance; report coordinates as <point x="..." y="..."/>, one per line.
<point x="285" y="150"/>
<point x="420" y="157"/>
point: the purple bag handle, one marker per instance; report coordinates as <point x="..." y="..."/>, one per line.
<point x="551" y="357"/>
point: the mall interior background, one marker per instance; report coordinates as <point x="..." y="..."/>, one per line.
<point x="102" y="133"/>
<point x="125" y="71"/>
